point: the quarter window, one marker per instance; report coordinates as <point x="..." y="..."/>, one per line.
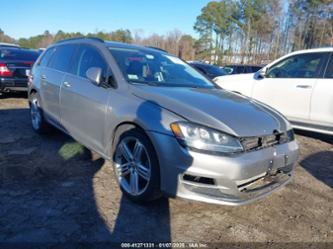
<point x="299" y="66"/>
<point x="46" y="57"/>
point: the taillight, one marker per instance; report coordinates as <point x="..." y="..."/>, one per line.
<point x="4" y="71"/>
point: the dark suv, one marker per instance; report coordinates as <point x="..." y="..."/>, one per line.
<point x="209" y="70"/>
<point x="15" y="63"/>
<point x="240" y="69"/>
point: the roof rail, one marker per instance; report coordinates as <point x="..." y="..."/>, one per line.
<point x="157" y="49"/>
<point x="80" y="38"/>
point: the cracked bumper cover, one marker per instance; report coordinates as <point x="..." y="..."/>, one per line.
<point x="238" y="179"/>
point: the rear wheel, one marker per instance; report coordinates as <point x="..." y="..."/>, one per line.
<point x="36" y="113"/>
<point x="136" y="165"/>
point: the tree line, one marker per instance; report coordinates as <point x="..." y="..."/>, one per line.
<point x="229" y="31"/>
<point x="257" y="31"/>
<point x="174" y="41"/>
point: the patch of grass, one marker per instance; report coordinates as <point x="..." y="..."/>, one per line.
<point x="70" y="150"/>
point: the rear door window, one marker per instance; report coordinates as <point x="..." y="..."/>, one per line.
<point x="61" y="58"/>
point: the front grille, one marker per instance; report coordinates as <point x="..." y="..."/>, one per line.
<point x="198" y="179"/>
<point x="257" y="143"/>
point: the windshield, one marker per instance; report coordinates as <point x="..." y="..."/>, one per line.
<point x="158" y="69"/>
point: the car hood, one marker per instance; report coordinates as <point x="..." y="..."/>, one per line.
<point x="235" y="77"/>
<point x="216" y="108"/>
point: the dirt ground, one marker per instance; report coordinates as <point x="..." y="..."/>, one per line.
<point x="52" y="189"/>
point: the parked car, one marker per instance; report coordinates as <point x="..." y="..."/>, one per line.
<point x="165" y="127"/>
<point x="15" y="63"/>
<point x="209" y="70"/>
<point x="238" y="68"/>
<point x="5" y="44"/>
<point x="300" y="85"/>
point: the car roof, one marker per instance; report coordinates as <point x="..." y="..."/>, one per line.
<point x="5" y="44"/>
<point x="305" y="51"/>
<point x="313" y="50"/>
<point x="18" y="49"/>
<point x="112" y="44"/>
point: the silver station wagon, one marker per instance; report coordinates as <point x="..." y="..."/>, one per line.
<point x="166" y="128"/>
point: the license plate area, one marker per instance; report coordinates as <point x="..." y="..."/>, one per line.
<point x="281" y="175"/>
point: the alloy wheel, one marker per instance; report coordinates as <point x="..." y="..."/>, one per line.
<point x="132" y="165"/>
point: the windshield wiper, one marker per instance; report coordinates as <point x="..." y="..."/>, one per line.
<point x="150" y="83"/>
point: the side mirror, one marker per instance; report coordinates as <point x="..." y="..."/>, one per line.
<point x="94" y="74"/>
<point x="262" y="73"/>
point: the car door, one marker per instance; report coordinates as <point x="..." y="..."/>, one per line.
<point x="322" y="98"/>
<point x="288" y="85"/>
<point x="52" y="78"/>
<point x="84" y="105"/>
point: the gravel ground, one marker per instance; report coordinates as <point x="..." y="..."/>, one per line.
<point x="52" y="189"/>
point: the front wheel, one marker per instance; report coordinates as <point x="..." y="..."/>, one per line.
<point x="136" y="165"/>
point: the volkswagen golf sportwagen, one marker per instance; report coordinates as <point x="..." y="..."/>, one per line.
<point x="166" y="128"/>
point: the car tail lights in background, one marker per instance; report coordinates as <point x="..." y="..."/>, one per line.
<point x="4" y="71"/>
<point x="30" y="77"/>
<point x="28" y="63"/>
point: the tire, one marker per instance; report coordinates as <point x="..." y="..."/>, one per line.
<point x="137" y="174"/>
<point x="38" y="121"/>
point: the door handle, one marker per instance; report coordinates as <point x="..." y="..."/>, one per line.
<point x="303" y="86"/>
<point x="66" y="84"/>
<point x="43" y="77"/>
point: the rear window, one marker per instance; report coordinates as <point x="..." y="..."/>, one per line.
<point x="18" y="54"/>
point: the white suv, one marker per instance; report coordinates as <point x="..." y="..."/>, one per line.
<point x="300" y="85"/>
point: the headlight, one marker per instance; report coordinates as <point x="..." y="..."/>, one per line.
<point x="206" y="139"/>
